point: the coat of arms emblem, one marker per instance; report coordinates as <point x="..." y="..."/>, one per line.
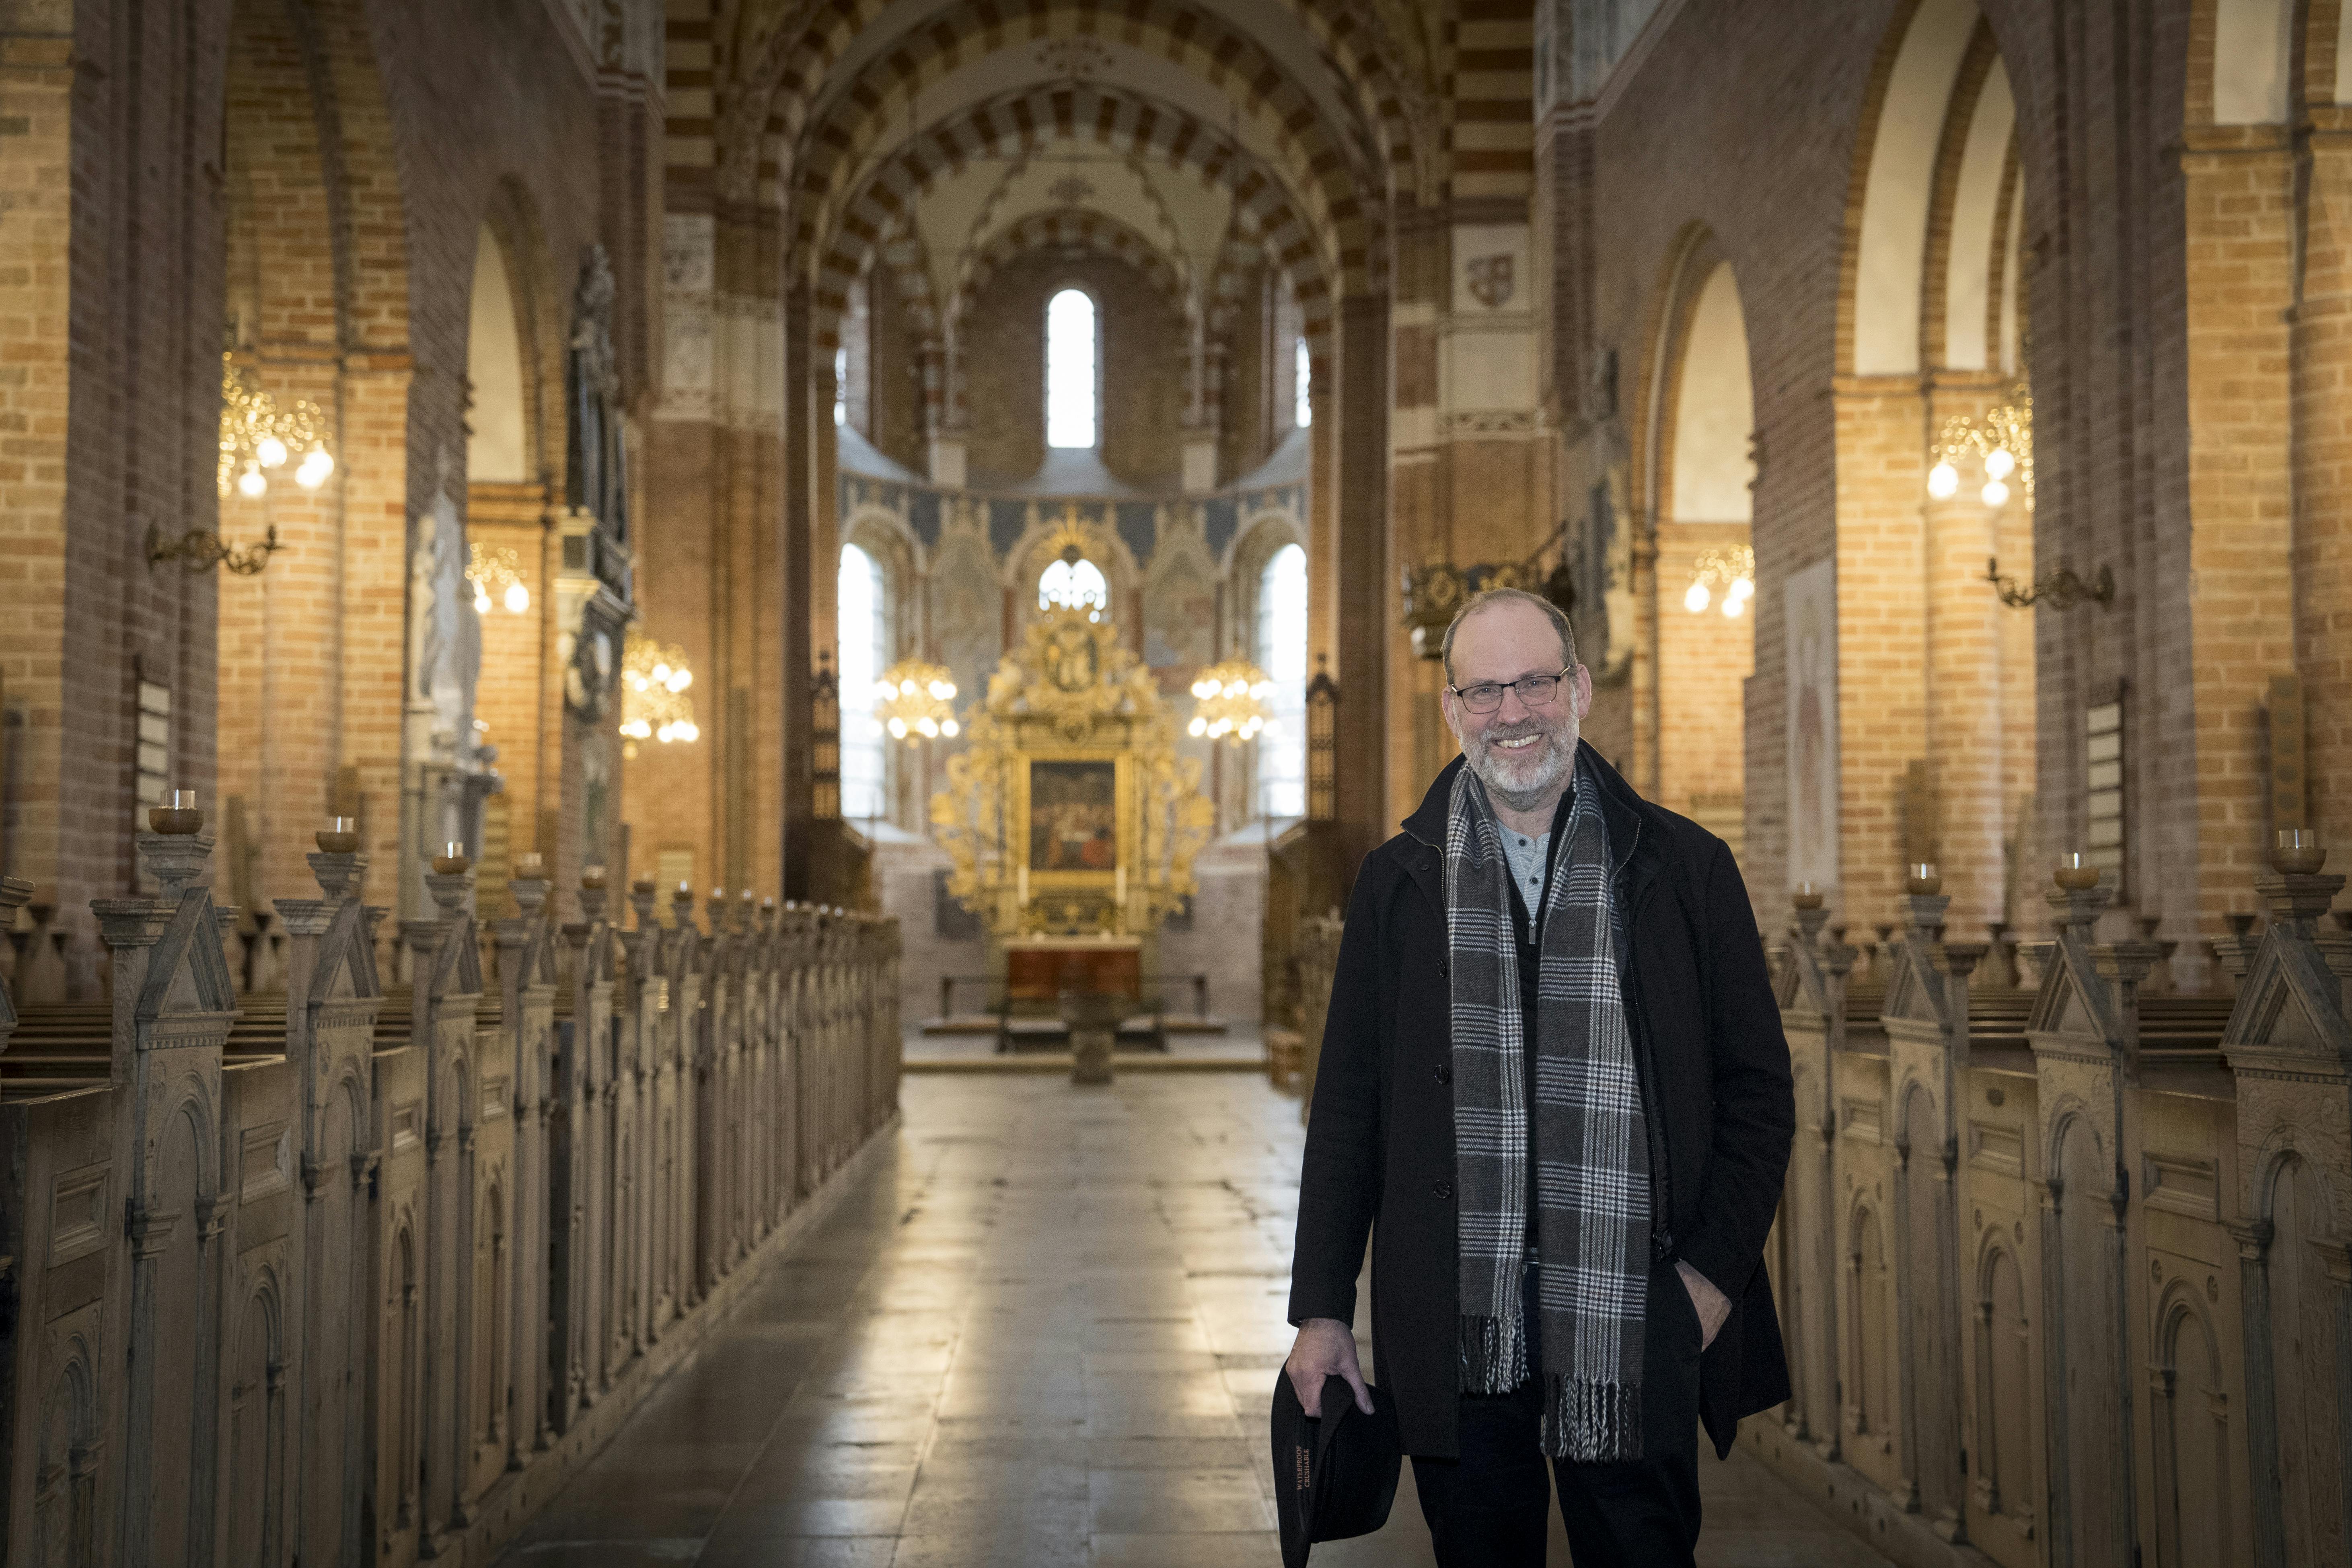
<point x="1490" y="280"/>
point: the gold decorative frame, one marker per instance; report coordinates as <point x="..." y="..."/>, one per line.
<point x="1071" y="693"/>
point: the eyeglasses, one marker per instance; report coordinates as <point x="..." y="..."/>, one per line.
<point x="1535" y="691"/>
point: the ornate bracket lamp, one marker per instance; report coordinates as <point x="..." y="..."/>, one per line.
<point x="914" y="700"/>
<point x="653" y="704"/>
<point x="497" y="574"/>
<point x="2003" y="439"/>
<point x="1231" y="702"/>
<point x="2061" y="589"/>
<point x="1731" y="572"/>
<point x="201" y="550"/>
<point x="1432" y="593"/>
<point x="257" y="434"/>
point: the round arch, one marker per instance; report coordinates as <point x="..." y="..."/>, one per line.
<point x="789" y="68"/>
<point x="1695" y="474"/>
<point x="513" y="246"/>
<point x="1124" y="123"/>
<point x="1071" y="232"/>
<point x="1921" y="130"/>
<point x="1327" y="168"/>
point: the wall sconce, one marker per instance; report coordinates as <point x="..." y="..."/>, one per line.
<point x="201" y="550"/>
<point x="257" y="435"/>
<point x="1733" y="571"/>
<point x="2061" y="589"/>
<point x="914" y="701"/>
<point x="497" y="574"/>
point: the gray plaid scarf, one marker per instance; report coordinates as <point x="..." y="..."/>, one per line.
<point x="1592" y="1224"/>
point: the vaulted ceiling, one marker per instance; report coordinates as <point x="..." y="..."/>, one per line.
<point x="943" y="138"/>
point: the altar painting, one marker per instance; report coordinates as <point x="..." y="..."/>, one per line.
<point x="1073" y="816"/>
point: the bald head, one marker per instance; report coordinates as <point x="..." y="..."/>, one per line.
<point x="1494" y="599"/>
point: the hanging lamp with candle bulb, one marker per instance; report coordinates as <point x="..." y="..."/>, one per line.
<point x="914" y="700"/>
<point x="654" y="703"/>
<point x="1231" y="702"/>
<point x="2002" y="440"/>
<point x="1731" y="572"/>
<point x="496" y="575"/>
<point x="259" y="436"/>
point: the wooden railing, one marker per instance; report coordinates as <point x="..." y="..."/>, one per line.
<point x="409" y="1254"/>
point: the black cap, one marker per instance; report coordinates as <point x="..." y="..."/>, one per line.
<point x="1334" y="1476"/>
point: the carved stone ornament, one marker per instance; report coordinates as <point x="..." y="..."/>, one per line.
<point x="592" y="659"/>
<point x="448" y="633"/>
<point x="597" y="469"/>
<point x="1491" y="280"/>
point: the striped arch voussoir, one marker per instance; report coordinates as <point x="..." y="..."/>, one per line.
<point x="1025" y="119"/>
<point x="1074" y="231"/>
<point x="1330" y="164"/>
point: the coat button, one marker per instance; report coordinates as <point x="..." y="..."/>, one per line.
<point x="1445" y="1072"/>
<point x="1441" y="1187"/>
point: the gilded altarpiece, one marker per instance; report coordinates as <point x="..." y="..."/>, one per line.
<point x="1070" y="813"/>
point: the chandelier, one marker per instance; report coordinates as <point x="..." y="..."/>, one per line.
<point x="2003" y="438"/>
<point x="653" y="704"/>
<point x="1733" y="571"/>
<point x="257" y="435"/>
<point x="497" y="573"/>
<point x="914" y="700"/>
<point x="1231" y="702"/>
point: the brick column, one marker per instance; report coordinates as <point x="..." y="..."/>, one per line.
<point x="1963" y="705"/>
<point x="2239" y="201"/>
<point x="1367" y="604"/>
<point x="800" y="591"/>
<point x="1881" y="611"/>
<point x="2321" y="550"/>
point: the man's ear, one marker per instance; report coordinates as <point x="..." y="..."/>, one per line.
<point x="1583" y="678"/>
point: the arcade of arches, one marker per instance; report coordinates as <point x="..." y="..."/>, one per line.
<point x="1936" y="414"/>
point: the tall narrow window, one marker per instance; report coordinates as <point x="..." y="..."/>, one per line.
<point x="841" y="387"/>
<point x="1303" y="414"/>
<point x="1070" y="359"/>
<point x="1282" y="654"/>
<point x="862" y="614"/>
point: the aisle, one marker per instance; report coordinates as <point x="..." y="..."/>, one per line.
<point x="1043" y="1335"/>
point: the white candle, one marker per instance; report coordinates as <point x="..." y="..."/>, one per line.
<point x="1119" y="877"/>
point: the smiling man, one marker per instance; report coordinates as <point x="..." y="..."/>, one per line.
<point x="1554" y="1093"/>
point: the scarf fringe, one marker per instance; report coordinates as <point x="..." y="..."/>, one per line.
<point x="1592" y="1422"/>
<point x="1494" y="1355"/>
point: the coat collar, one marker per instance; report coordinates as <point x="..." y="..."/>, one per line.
<point x="1636" y="829"/>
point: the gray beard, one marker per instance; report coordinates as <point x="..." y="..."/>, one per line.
<point x="1559" y="757"/>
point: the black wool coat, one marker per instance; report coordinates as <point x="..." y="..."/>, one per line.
<point x="1715" y="1086"/>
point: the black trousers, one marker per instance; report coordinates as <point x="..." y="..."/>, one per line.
<point x="1486" y="1508"/>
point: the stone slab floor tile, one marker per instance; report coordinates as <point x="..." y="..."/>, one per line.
<point x="1041" y="1331"/>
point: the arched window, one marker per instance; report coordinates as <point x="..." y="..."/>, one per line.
<point x="1303" y="414"/>
<point x="1074" y="585"/>
<point x="864" y="628"/>
<point x="841" y="386"/>
<point x="1070" y="369"/>
<point x="1282" y="654"/>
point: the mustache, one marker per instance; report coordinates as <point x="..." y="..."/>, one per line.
<point x="1516" y="732"/>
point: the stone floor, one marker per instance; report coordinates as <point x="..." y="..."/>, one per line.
<point x="1045" y="1334"/>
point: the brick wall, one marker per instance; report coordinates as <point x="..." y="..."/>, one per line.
<point x="320" y="177"/>
<point x="1143" y="359"/>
